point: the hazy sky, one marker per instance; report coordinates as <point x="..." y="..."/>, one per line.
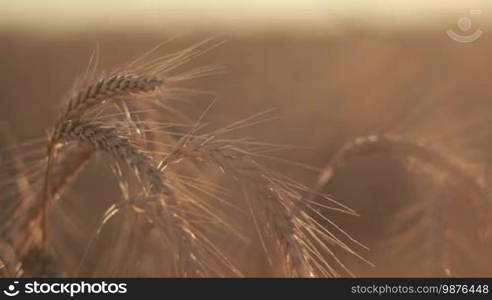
<point x="229" y="14"/>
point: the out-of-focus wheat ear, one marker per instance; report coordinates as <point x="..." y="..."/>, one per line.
<point x="464" y="182"/>
<point x="400" y="148"/>
<point x="16" y="193"/>
<point x="16" y="168"/>
<point x="25" y="228"/>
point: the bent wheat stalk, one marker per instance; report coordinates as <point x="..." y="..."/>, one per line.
<point x="400" y="148"/>
<point x="465" y="185"/>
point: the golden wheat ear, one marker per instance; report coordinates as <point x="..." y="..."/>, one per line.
<point x="79" y="133"/>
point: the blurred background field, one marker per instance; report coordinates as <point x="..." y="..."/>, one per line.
<point x="332" y="72"/>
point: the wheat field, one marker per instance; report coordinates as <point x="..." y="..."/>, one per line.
<point x="274" y="155"/>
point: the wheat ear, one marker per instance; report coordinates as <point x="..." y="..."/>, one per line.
<point x="105" y="89"/>
<point x="108" y="140"/>
<point x="277" y="206"/>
